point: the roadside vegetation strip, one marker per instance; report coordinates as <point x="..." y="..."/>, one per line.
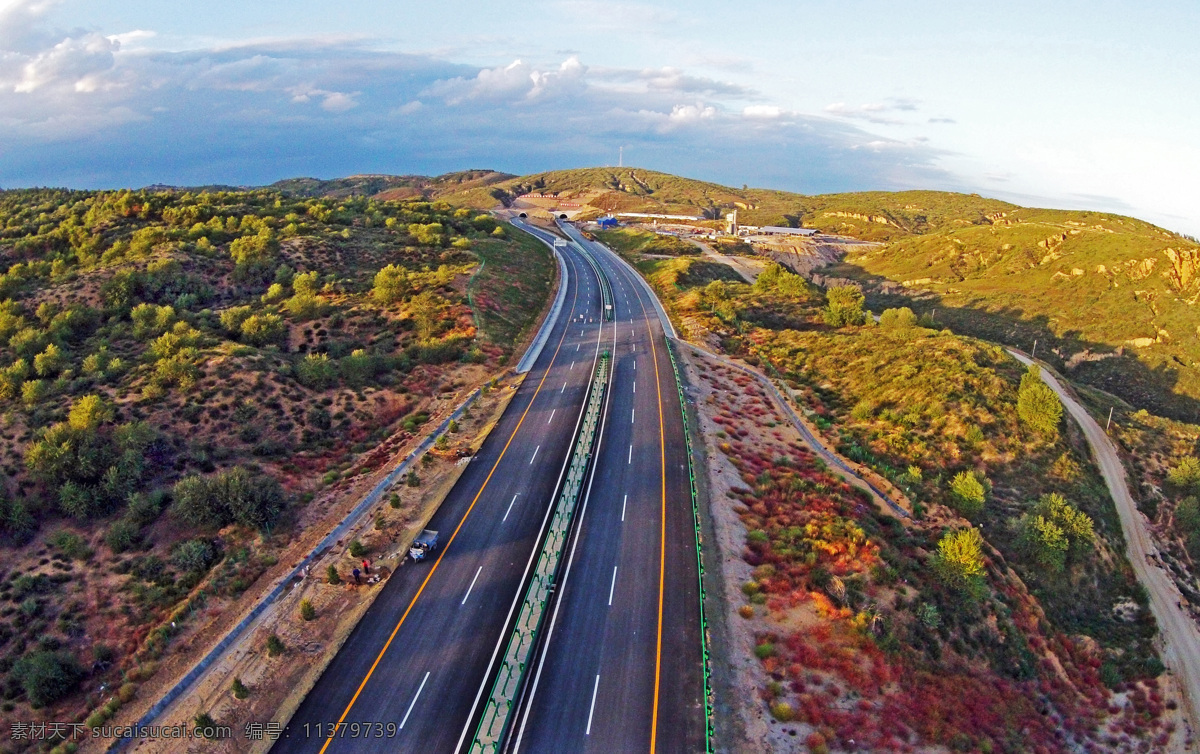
<point x="687" y="438"/>
<point x="535" y="349"/>
<point x="348" y="522"/>
<point x="494" y="725"/>
<point x="810" y="438"/>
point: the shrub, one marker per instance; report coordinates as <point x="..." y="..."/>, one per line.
<point x="307" y="611"/>
<point x="1185" y="474"/>
<point x="123" y="535"/>
<point x="1055" y="531"/>
<point x="194" y="555"/>
<point x="1037" y="404"/>
<point x="70" y="545"/>
<point x="958" y="561"/>
<point x="239" y="689"/>
<point x="228" y="497"/>
<point x="233" y="317"/>
<point x="332" y="575"/>
<point x="263" y="329"/>
<point x="898" y="319"/>
<point x="967" y="494"/>
<point x="764" y="650"/>
<point x="205" y="725"/>
<point x="316" y="371"/>
<point x="358" y="549"/>
<point x="783" y="712"/>
<point x="46" y="676"/>
<point x="391" y="285"/>
<point x="746" y="611"/>
<point x="412" y="480"/>
<point x="394" y="500"/>
<point x="275" y="645"/>
<point x="845" y="307"/>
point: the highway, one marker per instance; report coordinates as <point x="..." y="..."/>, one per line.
<point x="420" y="657"/>
<point x="621" y="669"/>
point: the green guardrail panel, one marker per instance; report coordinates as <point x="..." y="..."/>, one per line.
<point x="493" y="726"/>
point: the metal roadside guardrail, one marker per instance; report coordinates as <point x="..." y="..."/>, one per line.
<point x="687" y="437"/>
<point x="494" y="725"/>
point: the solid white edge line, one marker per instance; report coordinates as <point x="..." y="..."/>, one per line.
<point x="535" y="452"/>
<point x="592" y="709"/>
<point x="413" y="703"/>
<point x="537" y="676"/>
<point x="510" y="505"/>
<point x="529" y="563"/>
<point x="472" y="586"/>
<point x="612" y="587"/>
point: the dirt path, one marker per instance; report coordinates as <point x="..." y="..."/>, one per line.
<point x="749" y="269"/>
<point x="1180" y="637"/>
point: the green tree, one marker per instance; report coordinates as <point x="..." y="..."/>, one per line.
<point x="88" y="413"/>
<point x="427" y="234"/>
<point x="1044" y="541"/>
<point x="254" y="255"/>
<point x="958" y="561"/>
<point x="332" y="575"/>
<point x="307" y="611"/>
<point x="845" y="307"/>
<point x="263" y="329"/>
<point x="306" y="284"/>
<point x="1186" y="473"/>
<point x="316" y="371"/>
<point x="898" y="319"/>
<point x="1078" y="532"/>
<point x="303" y="307"/>
<point x="1037" y="405"/>
<point x="233" y="317"/>
<point x="391" y="285"/>
<point x="967" y="494"/>
<point x="778" y="280"/>
<point x="34" y="392"/>
<point x="46" y="676"/>
<point x="426" y="314"/>
<point x="50" y="362"/>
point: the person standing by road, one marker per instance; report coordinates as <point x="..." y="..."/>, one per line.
<point x="357" y="573"/>
<point x="366" y="566"/>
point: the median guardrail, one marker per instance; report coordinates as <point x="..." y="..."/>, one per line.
<point x="687" y="437"/>
<point x="494" y="725"/>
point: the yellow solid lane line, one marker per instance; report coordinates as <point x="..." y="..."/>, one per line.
<point x="450" y="541"/>
<point x="662" y="554"/>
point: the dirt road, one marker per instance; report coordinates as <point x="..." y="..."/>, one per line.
<point x="1180" y="637"/>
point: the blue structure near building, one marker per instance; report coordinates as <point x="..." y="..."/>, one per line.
<point x="608" y="222"/>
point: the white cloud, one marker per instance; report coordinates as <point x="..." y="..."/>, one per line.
<point x="765" y="112"/>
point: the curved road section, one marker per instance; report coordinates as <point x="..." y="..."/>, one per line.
<point x="621" y="668"/>
<point x="1181" y="640"/>
<point x="417" y="659"/>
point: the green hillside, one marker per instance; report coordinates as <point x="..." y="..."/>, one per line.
<point x="1110" y="299"/>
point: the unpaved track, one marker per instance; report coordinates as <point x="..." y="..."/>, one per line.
<point x="1180" y="637"/>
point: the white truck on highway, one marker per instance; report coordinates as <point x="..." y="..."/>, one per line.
<point x="423" y="545"/>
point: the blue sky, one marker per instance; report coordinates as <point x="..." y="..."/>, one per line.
<point x="1062" y="103"/>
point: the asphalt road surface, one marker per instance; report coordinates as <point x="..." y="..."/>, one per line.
<point x="422" y="654"/>
<point x="622" y="669"/>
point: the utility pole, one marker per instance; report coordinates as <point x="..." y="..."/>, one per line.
<point x="1109" y="422"/>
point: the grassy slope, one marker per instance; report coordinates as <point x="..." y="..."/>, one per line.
<point x="1074" y="281"/>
